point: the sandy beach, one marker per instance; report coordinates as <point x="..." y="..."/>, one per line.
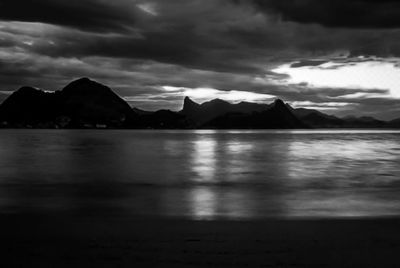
<point x="71" y="241"/>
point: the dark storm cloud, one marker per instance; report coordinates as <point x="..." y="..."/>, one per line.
<point x="337" y="13"/>
<point x="96" y="15"/>
<point x="189" y="33"/>
<point x="210" y="35"/>
<point x="138" y="46"/>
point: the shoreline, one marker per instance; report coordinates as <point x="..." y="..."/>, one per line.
<point x="76" y="241"/>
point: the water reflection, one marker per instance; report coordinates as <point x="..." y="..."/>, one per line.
<point x="204" y="159"/>
<point x="210" y="202"/>
<point x="343" y="162"/>
<point x="201" y="174"/>
<point x="342" y="203"/>
<point x="203" y="203"/>
<point x="237" y="147"/>
<point x="240" y="160"/>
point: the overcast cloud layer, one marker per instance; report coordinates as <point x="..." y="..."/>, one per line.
<point x="154" y="52"/>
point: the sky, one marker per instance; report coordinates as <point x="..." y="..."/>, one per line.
<point x="339" y="56"/>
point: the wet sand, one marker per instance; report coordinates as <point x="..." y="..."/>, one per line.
<point x="72" y="241"/>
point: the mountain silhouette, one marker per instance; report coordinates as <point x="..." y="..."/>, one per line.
<point x="85" y="103"/>
<point x="163" y="119"/>
<point x="140" y="111"/>
<point x="28" y="106"/>
<point x="88" y="102"/>
<point x="364" y="122"/>
<point x="395" y="123"/>
<point x="82" y="103"/>
<point x="317" y="119"/>
<point x="275" y="116"/>
<point x="199" y="114"/>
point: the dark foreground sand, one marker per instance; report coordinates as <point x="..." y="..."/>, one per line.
<point x="68" y="241"/>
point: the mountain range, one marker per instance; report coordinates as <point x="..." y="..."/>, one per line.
<point x="85" y="103"/>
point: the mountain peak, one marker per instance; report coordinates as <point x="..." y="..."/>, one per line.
<point x="216" y="103"/>
<point x="80" y="81"/>
<point x="83" y="80"/>
<point x="85" y="86"/>
<point x="26" y="89"/>
<point x="278" y="103"/>
<point x="189" y="104"/>
<point x="217" y="100"/>
<point x="189" y="100"/>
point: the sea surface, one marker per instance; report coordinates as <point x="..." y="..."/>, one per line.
<point x="201" y="174"/>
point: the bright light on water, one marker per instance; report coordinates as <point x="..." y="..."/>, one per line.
<point x="203" y="175"/>
<point x="204" y="160"/>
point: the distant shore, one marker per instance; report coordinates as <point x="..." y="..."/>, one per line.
<point x="84" y="241"/>
<point x="85" y="103"/>
<point x="211" y="129"/>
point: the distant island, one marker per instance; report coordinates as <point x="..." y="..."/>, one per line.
<point x="85" y="103"/>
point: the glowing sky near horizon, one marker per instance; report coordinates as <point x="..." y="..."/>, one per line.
<point x="203" y="94"/>
<point x="363" y="75"/>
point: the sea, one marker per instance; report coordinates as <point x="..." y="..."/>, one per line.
<point x="201" y="174"/>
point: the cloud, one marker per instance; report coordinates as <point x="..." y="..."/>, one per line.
<point x="372" y="74"/>
<point x="206" y="94"/>
<point x="91" y="15"/>
<point x="337" y="13"/>
<point x="216" y="35"/>
<point x="307" y="63"/>
<point x="138" y="46"/>
<point x="324" y="106"/>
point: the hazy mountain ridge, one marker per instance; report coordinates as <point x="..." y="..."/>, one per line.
<point x="395" y="123"/>
<point x="274" y="116"/>
<point x="317" y="119"/>
<point x="87" y="104"/>
<point x="200" y="114"/>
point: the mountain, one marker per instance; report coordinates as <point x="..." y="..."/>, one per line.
<point x="163" y="119"/>
<point x="395" y="123"/>
<point x="191" y="108"/>
<point x="85" y="103"/>
<point x="276" y="116"/>
<point x="88" y="102"/>
<point x="140" y="111"/>
<point x="82" y="103"/>
<point x="199" y="114"/>
<point x="317" y="119"/>
<point x="28" y="106"/>
<point x="364" y="122"/>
